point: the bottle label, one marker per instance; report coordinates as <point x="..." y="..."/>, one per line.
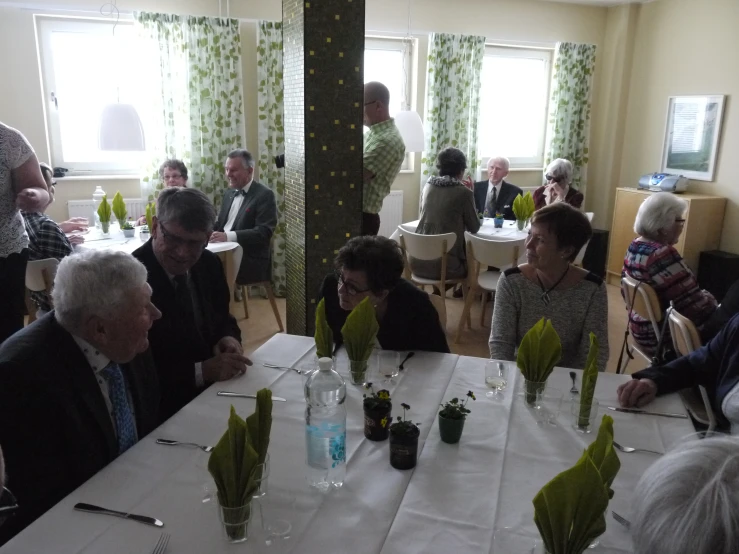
<point x="326" y="445"/>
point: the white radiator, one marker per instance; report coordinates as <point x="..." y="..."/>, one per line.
<point x="136" y="207"/>
<point x="391" y="214"/>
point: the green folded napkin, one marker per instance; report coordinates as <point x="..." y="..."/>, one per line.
<point x="360" y="331"/>
<point x="104" y="210"/>
<point x="240" y="449"/>
<point x="523" y="207"/>
<point x="569" y="511"/>
<point x="324" y="336"/>
<point x="119" y="208"/>
<point x="589" y="379"/>
<point x="539" y="351"/>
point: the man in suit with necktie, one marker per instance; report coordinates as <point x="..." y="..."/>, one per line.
<point x="496" y="195"/>
<point x="197" y="341"/>
<point x="77" y="386"/>
<point x="248" y="216"/>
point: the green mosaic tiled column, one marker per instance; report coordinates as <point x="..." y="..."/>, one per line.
<point x="323" y="53"/>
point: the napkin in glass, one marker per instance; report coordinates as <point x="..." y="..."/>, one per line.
<point x="569" y="511"/>
<point x="360" y="331"/>
<point x="323" y="335"/>
<point x="539" y="351"/>
<point x="589" y="379"/>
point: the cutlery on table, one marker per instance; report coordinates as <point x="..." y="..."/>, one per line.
<point x="622" y="520"/>
<point x="629" y="449"/>
<point x="240" y="395"/>
<point x="83" y="507"/>
<point x="573" y="390"/>
<point x="161" y="545"/>
<point x="634" y="411"/>
<point x="273" y="366"/>
<point x="175" y="443"/>
<point x="408" y="357"/>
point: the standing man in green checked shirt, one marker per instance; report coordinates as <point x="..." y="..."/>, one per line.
<point x="383" y="154"/>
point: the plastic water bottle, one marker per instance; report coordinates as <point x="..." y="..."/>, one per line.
<point x="325" y="427"/>
<point x="97" y="198"/>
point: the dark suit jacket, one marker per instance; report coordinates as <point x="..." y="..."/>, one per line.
<point x="174" y="354"/>
<point x="508" y="193"/>
<point x="55" y="428"/>
<point x="254" y="226"/>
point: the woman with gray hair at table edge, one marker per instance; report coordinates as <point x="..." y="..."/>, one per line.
<point x="688" y="500"/>
<point x="558" y="175"/>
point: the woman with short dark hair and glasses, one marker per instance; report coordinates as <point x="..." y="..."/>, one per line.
<point x="557" y="188"/>
<point x="372" y="267"/>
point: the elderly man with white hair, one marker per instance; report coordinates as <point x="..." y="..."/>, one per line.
<point x="77" y="387"/>
<point x="687" y="502"/>
<point x="558" y="177"/>
<point x="496" y="195"/>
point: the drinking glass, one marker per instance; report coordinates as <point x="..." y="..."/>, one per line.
<point x="547" y="407"/>
<point x="387" y="364"/>
<point x="585" y="421"/>
<point x="496" y="378"/>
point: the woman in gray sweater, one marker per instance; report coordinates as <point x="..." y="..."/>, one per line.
<point x="549" y="286"/>
<point x="447" y="206"/>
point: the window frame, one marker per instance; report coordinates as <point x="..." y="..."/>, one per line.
<point x="408" y="48"/>
<point x="45" y="25"/>
<point x="547" y="56"/>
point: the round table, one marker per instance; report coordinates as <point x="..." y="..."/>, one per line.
<point x="509" y="231"/>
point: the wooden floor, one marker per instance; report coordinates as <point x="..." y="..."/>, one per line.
<point x="261" y="325"/>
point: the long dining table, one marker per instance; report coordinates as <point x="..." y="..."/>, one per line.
<point x="458" y="496"/>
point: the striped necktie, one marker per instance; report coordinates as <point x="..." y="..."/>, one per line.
<point x="122" y="413"/>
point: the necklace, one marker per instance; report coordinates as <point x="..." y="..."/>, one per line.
<point x="544" y="291"/>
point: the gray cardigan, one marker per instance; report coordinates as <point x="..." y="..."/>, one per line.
<point x="447" y="206"/>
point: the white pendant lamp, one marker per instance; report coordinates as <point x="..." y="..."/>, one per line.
<point x="121" y="129"/>
<point x="411" y="129"/>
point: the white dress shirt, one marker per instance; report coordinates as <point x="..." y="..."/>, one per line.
<point x="497" y="188"/>
<point x="234" y="211"/>
<point x="99" y="361"/>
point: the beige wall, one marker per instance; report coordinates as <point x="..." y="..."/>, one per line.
<point x="516" y="21"/>
<point x="685" y="47"/>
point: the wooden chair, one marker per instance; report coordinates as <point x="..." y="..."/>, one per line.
<point x="484" y="253"/>
<point x="685" y="339"/>
<point x="39" y="278"/>
<point x="428" y="247"/>
<point x="244" y="288"/>
<point x="642" y="300"/>
<point x="581" y="253"/>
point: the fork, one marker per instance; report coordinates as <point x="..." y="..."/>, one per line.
<point x="573" y="390"/>
<point x="622" y="520"/>
<point x="273" y="366"/>
<point x="629" y="449"/>
<point x="168" y="442"/>
<point x="161" y="545"/>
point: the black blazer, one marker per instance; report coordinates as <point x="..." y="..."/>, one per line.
<point x="175" y="355"/>
<point x="508" y="193"/>
<point x="55" y="429"/>
<point x="410" y="323"/>
<point x="254" y="226"/>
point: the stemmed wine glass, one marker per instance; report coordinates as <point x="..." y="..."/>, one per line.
<point x="496" y="378"/>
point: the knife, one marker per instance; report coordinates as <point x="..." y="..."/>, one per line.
<point x="82" y="507"/>
<point x="240" y="395"/>
<point x="633" y="411"/>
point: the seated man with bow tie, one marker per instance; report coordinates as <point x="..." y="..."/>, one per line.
<point x="496" y="195"/>
<point x="248" y="216"/>
<point x="197" y="341"/>
<point x="75" y="389"/>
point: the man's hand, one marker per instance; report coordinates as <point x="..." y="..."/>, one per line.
<point x="74" y="224"/>
<point x="229" y="345"/>
<point x="637" y="393"/>
<point x="224" y="366"/>
<point x="32" y="200"/>
<point x="218" y="236"/>
<point x="76" y="239"/>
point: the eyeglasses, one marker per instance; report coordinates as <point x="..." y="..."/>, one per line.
<point x="175" y="242"/>
<point x="553" y="178"/>
<point x="348" y="287"/>
<point x="679" y="220"/>
<point x="8" y="505"/>
<point x="368" y="103"/>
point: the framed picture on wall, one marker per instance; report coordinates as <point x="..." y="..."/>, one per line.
<point x="692" y="135"/>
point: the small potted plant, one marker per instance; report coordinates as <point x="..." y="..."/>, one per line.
<point x="404" y="442"/>
<point x="452" y="417"/>
<point x="128" y="229"/>
<point x="498" y="221"/>
<point x="377" y="413"/>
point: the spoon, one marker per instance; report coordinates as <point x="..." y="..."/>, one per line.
<point x="630" y="449"/>
<point x="408" y="357"/>
<point x="573" y="390"/>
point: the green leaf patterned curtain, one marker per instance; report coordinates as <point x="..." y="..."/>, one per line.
<point x="452" y="98"/>
<point x="568" y="128"/>
<point x="271" y="134"/>
<point x="194" y="72"/>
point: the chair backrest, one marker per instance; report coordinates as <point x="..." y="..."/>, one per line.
<point x="438" y="303"/>
<point x="40" y="274"/>
<point x="581" y="255"/>
<point x="590" y="216"/>
<point x="426" y="247"/>
<point x="642" y="300"/>
<point x="502" y="254"/>
<point x="685" y="336"/>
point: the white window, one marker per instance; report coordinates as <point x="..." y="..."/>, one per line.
<point x="514" y="99"/>
<point x="388" y="61"/>
<point x="85" y="65"/>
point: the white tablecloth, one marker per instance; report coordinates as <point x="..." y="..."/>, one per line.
<point x="509" y="231"/>
<point x="457" y="495"/>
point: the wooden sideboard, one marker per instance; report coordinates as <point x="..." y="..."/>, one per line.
<point x="703" y="223"/>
